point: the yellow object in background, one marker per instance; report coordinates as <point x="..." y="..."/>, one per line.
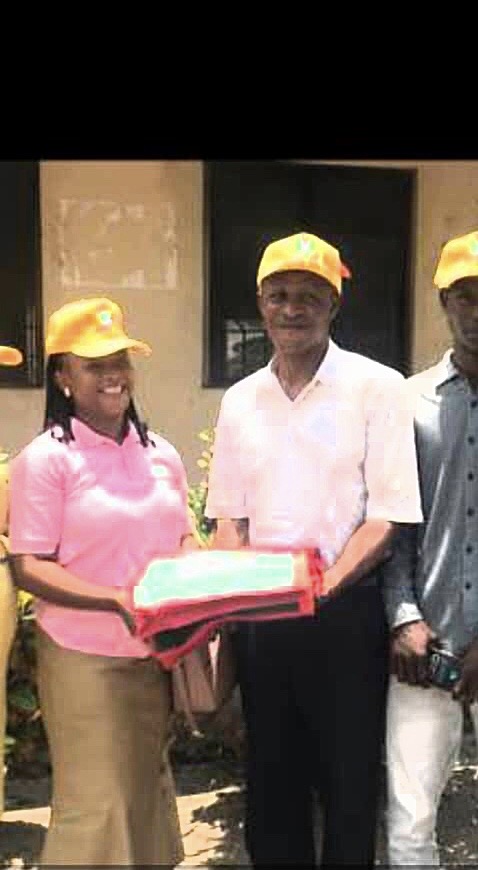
<point x="8" y="617"/>
<point x="8" y="624"/>
<point x="3" y="492"/>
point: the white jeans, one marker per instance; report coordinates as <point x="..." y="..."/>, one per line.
<point x="424" y="733"/>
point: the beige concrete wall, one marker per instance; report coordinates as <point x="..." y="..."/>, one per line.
<point x="449" y="207"/>
<point x="133" y="230"/>
<point x="130" y="230"/>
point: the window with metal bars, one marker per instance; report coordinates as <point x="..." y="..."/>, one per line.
<point x="20" y="271"/>
<point x="366" y="212"/>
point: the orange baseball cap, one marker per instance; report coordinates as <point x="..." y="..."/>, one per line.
<point x="458" y="259"/>
<point x="304" y="252"/>
<point x="91" y="328"/>
<point x="10" y="356"/>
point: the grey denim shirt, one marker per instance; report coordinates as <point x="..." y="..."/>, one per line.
<point x="433" y="571"/>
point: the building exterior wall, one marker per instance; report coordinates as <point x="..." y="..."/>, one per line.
<point x="133" y="230"/>
<point x="448" y="195"/>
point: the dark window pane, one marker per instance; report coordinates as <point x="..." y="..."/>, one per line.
<point x="20" y="271"/>
<point x="247" y="348"/>
<point x="366" y="213"/>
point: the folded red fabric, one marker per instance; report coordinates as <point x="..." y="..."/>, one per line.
<point x="180" y="602"/>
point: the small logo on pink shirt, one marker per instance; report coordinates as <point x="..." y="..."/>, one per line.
<point x="160" y="470"/>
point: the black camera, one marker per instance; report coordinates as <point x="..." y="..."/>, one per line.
<point x="443" y="668"/>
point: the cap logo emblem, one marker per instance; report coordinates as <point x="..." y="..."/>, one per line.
<point x="304" y="246"/>
<point x="104" y="319"/>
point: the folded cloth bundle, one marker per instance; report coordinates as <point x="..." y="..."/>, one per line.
<point x="179" y="602"/>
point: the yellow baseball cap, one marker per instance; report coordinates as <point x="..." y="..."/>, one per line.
<point x="304" y="252"/>
<point x="91" y="328"/>
<point x="458" y="259"/>
<point x="10" y="356"/>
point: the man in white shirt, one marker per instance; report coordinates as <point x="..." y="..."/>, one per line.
<point x="314" y="450"/>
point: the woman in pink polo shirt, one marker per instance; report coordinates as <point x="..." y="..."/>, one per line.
<point x="94" y="499"/>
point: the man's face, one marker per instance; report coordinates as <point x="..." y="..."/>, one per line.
<point x="460" y="302"/>
<point x="297" y="308"/>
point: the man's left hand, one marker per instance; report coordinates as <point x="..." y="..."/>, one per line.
<point x="466" y="689"/>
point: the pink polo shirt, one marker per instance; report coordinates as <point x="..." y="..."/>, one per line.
<point x="107" y="510"/>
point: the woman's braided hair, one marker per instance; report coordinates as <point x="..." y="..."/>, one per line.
<point x="59" y="409"/>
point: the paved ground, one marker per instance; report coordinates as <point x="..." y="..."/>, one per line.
<point x="211" y="801"/>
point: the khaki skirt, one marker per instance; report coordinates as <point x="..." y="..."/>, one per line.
<point x="108" y="725"/>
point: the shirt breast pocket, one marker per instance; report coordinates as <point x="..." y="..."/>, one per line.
<point x="322" y="429"/>
<point x="335" y="437"/>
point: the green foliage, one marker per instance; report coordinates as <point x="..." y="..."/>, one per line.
<point x="25" y="743"/>
<point x="198" y="492"/>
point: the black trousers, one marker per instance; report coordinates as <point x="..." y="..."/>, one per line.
<point x="313" y="691"/>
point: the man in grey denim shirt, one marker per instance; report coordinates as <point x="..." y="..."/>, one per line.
<point x="431" y="581"/>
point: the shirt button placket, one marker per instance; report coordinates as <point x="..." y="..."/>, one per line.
<point x="471" y="506"/>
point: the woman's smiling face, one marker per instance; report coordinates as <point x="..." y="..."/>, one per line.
<point x="101" y="388"/>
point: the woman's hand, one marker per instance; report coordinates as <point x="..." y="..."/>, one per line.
<point x="122" y="601"/>
<point x="190" y="542"/>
